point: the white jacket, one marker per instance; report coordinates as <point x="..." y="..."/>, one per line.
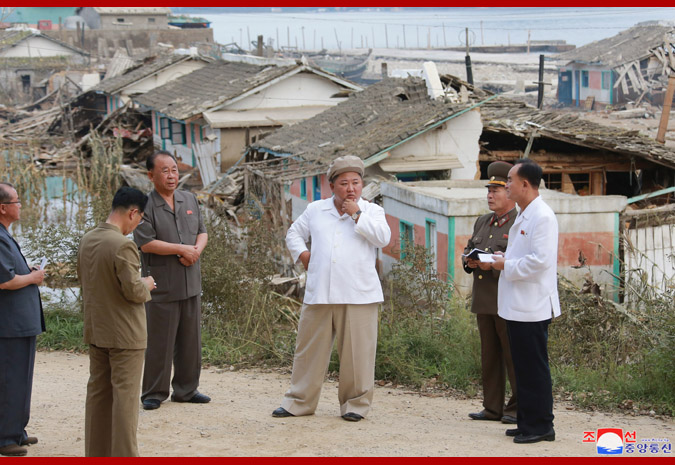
<point x="342" y="265"/>
<point x="528" y="286"/>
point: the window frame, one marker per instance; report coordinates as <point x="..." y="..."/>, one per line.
<point x="406" y="235"/>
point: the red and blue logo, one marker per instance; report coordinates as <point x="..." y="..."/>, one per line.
<point x="609" y="441"/>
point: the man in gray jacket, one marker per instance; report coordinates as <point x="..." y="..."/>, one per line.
<point x="172" y="238"/>
<point x="21" y="320"/>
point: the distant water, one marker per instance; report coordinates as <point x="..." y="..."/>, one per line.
<point x="437" y="28"/>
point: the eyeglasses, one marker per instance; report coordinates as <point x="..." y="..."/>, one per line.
<point x="141" y="215"/>
<point x="9" y="203"/>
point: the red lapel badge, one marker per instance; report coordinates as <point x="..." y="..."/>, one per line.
<point x="505" y="236"/>
<point x="189" y="212"/>
<point x="522" y="232"/>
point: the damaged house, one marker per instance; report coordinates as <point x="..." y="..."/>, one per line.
<point x="33" y="64"/>
<point x="630" y="66"/>
<point x="395" y="126"/>
<point x="577" y="156"/>
<point x="209" y="117"/>
<point x="117" y="90"/>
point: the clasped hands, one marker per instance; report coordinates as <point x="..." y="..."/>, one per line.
<point x="189" y="254"/>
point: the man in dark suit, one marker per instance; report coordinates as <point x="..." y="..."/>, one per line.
<point x="172" y="238"/>
<point x="490" y="233"/>
<point x="113" y="293"/>
<point x="21" y="320"/>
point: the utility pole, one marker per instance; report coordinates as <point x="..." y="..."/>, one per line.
<point x="540" y="88"/>
<point x="445" y="43"/>
<point x="467" y="59"/>
<point x="482" y="42"/>
<point x="429" y="38"/>
<point x="665" y="113"/>
<point x="386" y="37"/>
<point x="404" y="44"/>
<point x="302" y="30"/>
<point x="528" y="42"/>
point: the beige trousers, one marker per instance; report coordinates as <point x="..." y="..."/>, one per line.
<point x="111" y="411"/>
<point x="356" y="329"/>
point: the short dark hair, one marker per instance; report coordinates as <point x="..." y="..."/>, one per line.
<point x="5" y="195"/>
<point x="150" y="161"/>
<point x="128" y="197"/>
<point x="530" y="171"/>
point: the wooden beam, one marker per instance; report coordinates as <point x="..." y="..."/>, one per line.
<point x="665" y="114"/>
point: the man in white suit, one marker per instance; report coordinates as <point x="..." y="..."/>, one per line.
<point x="528" y="300"/>
<point x="342" y="295"/>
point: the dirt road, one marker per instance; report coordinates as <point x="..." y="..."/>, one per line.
<point x="238" y="421"/>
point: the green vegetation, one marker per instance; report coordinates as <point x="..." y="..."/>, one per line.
<point x="603" y="355"/>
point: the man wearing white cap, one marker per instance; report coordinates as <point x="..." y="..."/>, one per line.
<point x="342" y="295"/>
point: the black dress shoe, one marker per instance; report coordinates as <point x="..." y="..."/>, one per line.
<point x="200" y="399"/>
<point x="151" y="404"/>
<point x="30" y="440"/>
<point x="351" y="416"/>
<point x="513" y="432"/>
<point x="196" y="399"/>
<point x="13" y="450"/>
<point x="532" y="438"/>
<point x="509" y="420"/>
<point x="282" y="413"/>
<point x="482" y="416"/>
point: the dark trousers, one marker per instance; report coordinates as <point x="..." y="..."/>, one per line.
<point x="529" y="350"/>
<point x="496" y="364"/>
<point x="17" y="359"/>
<point x="174" y="337"/>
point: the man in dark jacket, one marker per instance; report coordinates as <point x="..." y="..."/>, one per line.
<point x="490" y="234"/>
<point x="21" y="320"/>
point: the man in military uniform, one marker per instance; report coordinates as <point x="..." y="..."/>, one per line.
<point x="490" y="233"/>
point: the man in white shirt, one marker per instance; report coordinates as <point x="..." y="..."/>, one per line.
<point x="528" y="300"/>
<point x="342" y="295"/>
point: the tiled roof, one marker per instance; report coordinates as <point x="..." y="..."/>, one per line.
<point x="625" y="47"/>
<point x="114" y="84"/>
<point x="208" y="87"/>
<point x="368" y="122"/>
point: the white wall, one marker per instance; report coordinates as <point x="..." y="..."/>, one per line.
<point x="301" y="89"/>
<point x="37" y="46"/>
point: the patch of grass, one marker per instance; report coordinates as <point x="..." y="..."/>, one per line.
<point x="64" y="330"/>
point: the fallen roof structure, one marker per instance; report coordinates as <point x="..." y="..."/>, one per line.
<point x="369" y="125"/>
